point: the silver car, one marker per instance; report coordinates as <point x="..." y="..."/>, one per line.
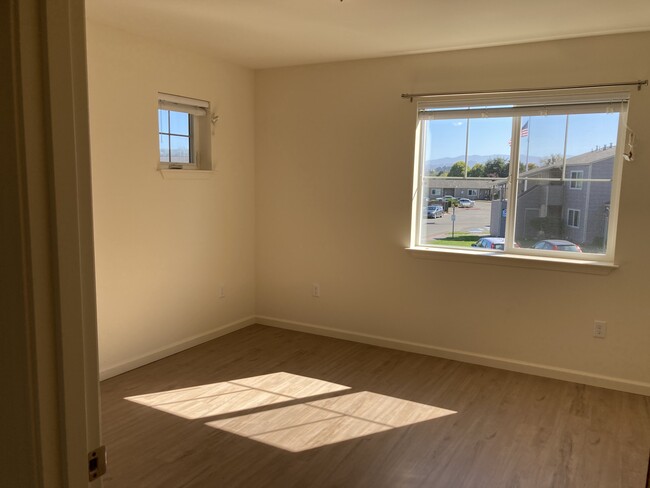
<point x="465" y="203"/>
<point x="434" y="212"/>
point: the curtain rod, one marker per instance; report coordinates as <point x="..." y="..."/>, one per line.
<point x="639" y="84"/>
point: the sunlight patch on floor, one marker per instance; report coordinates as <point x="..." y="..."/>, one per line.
<point x="314" y="424"/>
<point x="295" y="427"/>
<point x="235" y="396"/>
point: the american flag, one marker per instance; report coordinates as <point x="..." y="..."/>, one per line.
<point x="524" y="130"/>
<point x="523" y="133"/>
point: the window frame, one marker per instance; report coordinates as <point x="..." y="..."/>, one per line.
<point x="200" y="157"/>
<point x="576" y="217"/>
<point x="576" y="181"/>
<point x="456" y="104"/>
<point x="192" y="137"/>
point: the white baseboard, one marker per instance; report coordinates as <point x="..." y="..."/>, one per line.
<point x="179" y="346"/>
<point x="575" y="376"/>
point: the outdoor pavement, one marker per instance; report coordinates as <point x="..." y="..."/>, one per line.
<point x="474" y="220"/>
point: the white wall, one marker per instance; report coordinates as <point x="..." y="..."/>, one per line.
<point x="164" y="247"/>
<point x="334" y="156"/>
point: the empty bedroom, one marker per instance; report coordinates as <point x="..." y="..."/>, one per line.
<point x="343" y="243"/>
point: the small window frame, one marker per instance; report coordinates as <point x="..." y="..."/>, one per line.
<point x="575" y="182"/>
<point x="198" y="111"/>
<point x="573" y="218"/>
<point x="192" y="135"/>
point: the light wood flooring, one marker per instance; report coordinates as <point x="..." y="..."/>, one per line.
<point x="266" y="407"/>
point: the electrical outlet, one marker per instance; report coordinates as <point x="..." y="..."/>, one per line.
<point x="222" y="291"/>
<point x="600" y="329"/>
<point x="315" y="290"/>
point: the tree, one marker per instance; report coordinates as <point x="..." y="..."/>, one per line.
<point x="496" y="168"/>
<point x="458" y="169"/>
<point x="551" y="160"/>
<point x="527" y="167"/>
<point x="476" y="171"/>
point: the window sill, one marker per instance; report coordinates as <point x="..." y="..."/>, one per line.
<point x="186" y="174"/>
<point x="501" y="259"/>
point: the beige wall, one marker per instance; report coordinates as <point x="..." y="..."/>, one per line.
<point x="334" y="151"/>
<point x="313" y="183"/>
<point x="164" y="247"/>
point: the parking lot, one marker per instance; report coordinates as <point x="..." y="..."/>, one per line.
<point x="473" y="220"/>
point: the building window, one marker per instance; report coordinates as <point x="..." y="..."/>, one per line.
<point x="436" y="192"/>
<point x="471" y="192"/>
<point x="183" y="133"/>
<point x="524" y="152"/>
<point x="175" y="136"/>
<point x="573" y="218"/>
<point x="576" y="177"/>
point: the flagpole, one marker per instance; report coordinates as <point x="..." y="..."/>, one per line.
<point x="530" y="119"/>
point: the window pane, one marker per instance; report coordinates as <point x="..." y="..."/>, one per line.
<point x="164" y="148"/>
<point x="489" y="147"/>
<point x="179" y="123"/>
<point x="591" y="137"/>
<point x="542" y="141"/>
<point x="450" y="224"/>
<point x="551" y="211"/>
<point x="163" y="121"/>
<point x="456" y="203"/>
<point x="180" y="149"/>
<point x="444" y="145"/>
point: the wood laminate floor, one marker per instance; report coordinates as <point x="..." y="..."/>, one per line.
<point x="265" y="407"/>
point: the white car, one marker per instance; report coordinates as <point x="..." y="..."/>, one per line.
<point x="465" y="203"/>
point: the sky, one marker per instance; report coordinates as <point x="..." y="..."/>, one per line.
<point x="447" y="138"/>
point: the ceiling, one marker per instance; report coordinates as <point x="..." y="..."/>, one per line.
<point x="271" y="33"/>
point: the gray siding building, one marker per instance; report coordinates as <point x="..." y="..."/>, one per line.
<point x="574" y="210"/>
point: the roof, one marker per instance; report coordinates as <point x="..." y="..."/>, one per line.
<point x="584" y="159"/>
<point x="469" y="183"/>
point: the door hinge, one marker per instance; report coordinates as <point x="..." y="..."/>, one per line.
<point x="96" y="463"/>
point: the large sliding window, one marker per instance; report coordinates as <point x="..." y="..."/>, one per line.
<point x="538" y="175"/>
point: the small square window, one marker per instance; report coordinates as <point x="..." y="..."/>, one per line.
<point x="183" y="133"/>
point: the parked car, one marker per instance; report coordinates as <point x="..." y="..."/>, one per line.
<point x="557" y="245"/>
<point x="465" y="203"/>
<point x="434" y="212"/>
<point x="490" y="243"/>
<point x="447" y="202"/>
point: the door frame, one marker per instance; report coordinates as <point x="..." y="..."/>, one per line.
<point x="47" y="203"/>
